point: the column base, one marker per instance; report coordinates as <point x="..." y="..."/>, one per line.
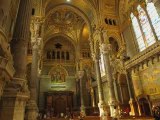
<point x="133" y="107"/>
<point x="114" y="111"/>
<point x="83" y="111"/>
<point x="104" y="113"/>
<point x="14" y="100"/>
<point x="13" y="106"/>
<point x="31" y="110"/>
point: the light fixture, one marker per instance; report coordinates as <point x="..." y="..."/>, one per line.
<point x="68" y="0"/>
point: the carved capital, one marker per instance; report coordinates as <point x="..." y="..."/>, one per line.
<point x="17" y="85"/>
<point x="95" y="57"/>
<point x="36" y="24"/>
<point x="105" y="48"/>
<point x="36" y="43"/>
<point x="80" y="74"/>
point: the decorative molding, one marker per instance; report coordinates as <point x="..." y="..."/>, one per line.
<point x="144" y="56"/>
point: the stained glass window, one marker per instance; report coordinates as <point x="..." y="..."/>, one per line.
<point x="138" y="33"/>
<point x="155" y="19"/>
<point x="149" y="36"/>
<point x="102" y="67"/>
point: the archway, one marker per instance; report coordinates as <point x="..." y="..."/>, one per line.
<point x="144" y="107"/>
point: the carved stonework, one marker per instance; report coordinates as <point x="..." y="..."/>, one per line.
<point x="80" y="74"/>
<point x="13" y="103"/>
<point x="104" y="112"/>
<point x="63" y="19"/>
<point x="31" y="110"/>
<point x="106" y="48"/>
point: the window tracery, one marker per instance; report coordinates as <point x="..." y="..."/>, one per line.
<point x="155" y="19"/>
<point x="138" y="33"/>
<point x="146" y="26"/>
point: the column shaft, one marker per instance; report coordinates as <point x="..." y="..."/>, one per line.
<point x="20" y="39"/>
<point x="105" y="49"/>
<point x="16" y="92"/>
<point x="102" y="105"/>
<point x="34" y="73"/>
<point x="81" y="78"/>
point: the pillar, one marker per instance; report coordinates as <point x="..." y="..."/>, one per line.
<point x="92" y="97"/>
<point x="102" y="105"/>
<point x="16" y="92"/>
<point x="82" y="87"/>
<point x="32" y="108"/>
<point x="132" y="102"/>
<point x="4" y="11"/>
<point x="105" y="49"/>
<point x="137" y="85"/>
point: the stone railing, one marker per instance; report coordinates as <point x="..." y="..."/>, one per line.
<point x="149" y="54"/>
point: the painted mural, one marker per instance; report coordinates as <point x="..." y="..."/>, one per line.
<point x="150" y="78"/>
<point x="58" y="74"/>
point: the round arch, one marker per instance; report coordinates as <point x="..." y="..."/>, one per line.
<point x="117" y="38"/>
<point x="73" y="8"/>
<point x="60" y="34"/>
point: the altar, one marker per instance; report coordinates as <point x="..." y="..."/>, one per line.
<point x="58" y="103"/>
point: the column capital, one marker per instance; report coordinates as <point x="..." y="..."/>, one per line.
<point x="39" y="20"/>
<point x="35" y="27"/>
<point x="95" y="57"/>
<point x="36" y="42"/>
<point x="80" y="74"/>
<point x="105" y="48"/>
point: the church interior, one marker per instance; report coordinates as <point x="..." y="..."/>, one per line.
<point x="79" y="59"/>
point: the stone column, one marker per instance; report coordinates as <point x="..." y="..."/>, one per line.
<point x="102" y="105"/>
<point x="32" y="109"/>
<point x="105" y="49"/>
<point x="16" y="92"/>
<point x="4" y="11"/>
<point x="80" y="76"/>
<point x="132" y="102"/>
<point x="92" y="97"/>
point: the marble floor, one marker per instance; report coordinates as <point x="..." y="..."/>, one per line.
<point x="97" y="118"/>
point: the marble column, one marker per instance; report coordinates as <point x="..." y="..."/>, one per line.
<point x="132" y="102"/>
<point x="16" y="92"/>
<point x="106" y="49"/>
<point x="4" y="11"/>
<point x="32" y="109"/>
<point x="81" y="76"/>
<point x="102" y="105"/>
<point x="92" y="97"/>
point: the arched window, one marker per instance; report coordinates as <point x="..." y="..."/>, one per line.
<point x="102" y="67"/>
<point x="155" y="19"/>
<point x="146" y="28"/>
<point x="138" y="33"/>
